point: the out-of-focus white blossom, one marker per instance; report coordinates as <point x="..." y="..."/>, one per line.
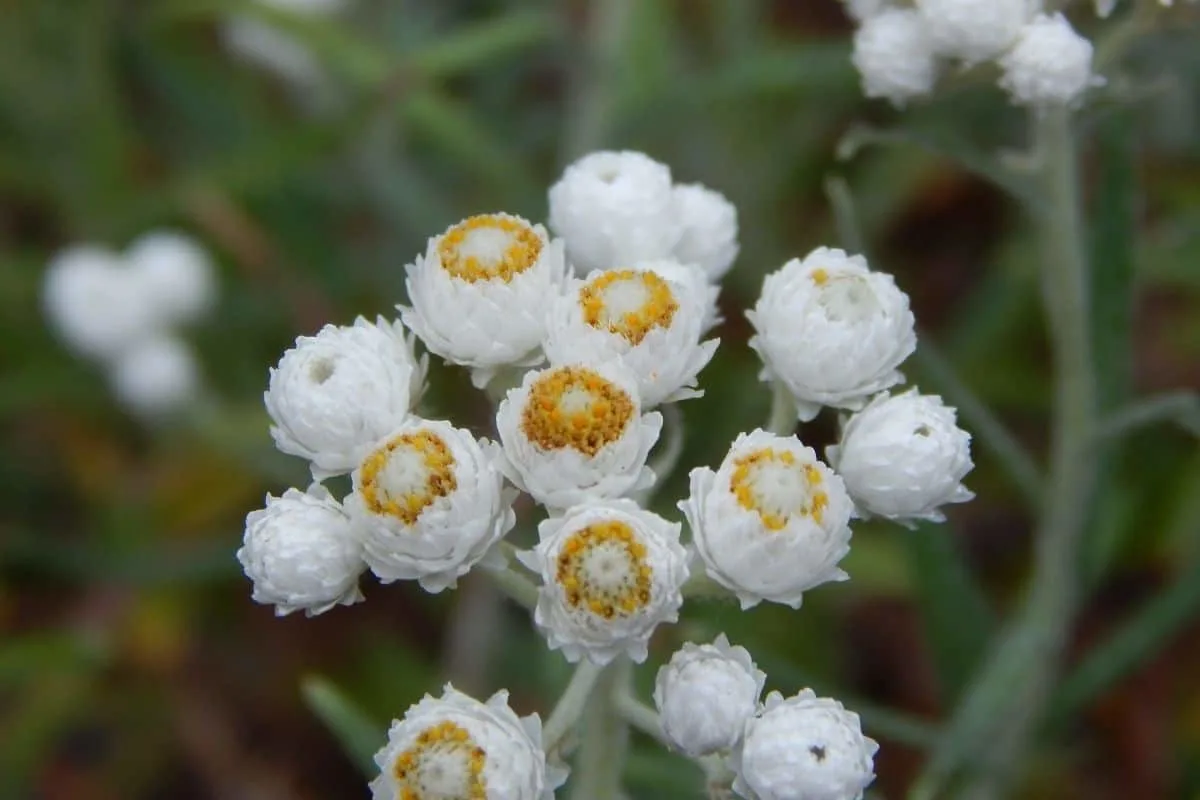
<point x="973" y="30"/>
<point x="178" y="274"/>
<point x="710" y="229"/>
<point x="158" y="375"/>
<point x="1050" y="65"/>
<point x="258" y="41"/>
<point x="894" y="55"/>
<point x="862" y="10"/>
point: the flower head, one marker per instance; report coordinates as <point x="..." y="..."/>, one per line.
<point x="651" y="317"/>
<point x="301" y="553"/>
<point x="973" y="30"/>
<point x="178" y="274"/>
<point x="577" y="432"/>
<point x="614" y="208"/>
<point x="831" y="330"/>
<point x="429" y="503"/>
<point x="454" y="746"/>
<point x="1050" y="65"/>
<point x="156" y="376"/>
<point x="903" y="456"/>
<point x="480" y="292"/>
<point x="705" y="694"/>
<point x="894" y="56"/>
<point x="772" y="522"/>
<point x="335" y="394"/>
<point x="611" y="573"/>
<point x="804" y="748"/>
<point x="710" y="229"/>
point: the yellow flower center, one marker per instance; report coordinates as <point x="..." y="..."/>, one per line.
<point x="776" y="486"/>
<point x="489" y="247"/>
<point x="602" y="569"/>
<point x="628" y="303"/>
<point x="407" y="474"/>
<point x="820" y="276"/>
<point x="444" y="763"/>
<point x="575" y="407"/>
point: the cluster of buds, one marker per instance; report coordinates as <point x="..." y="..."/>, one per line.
<point x="581" y="340"/>
<point x="901" y="48"/>
<point x="124" y="311"/>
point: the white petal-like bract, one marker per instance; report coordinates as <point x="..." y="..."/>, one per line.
<point x="973" y="30"/>
<point x="178" y="273"/>
<point x="710" y="229"/>
<point x="1050" y="65"/>
<point x="158" y="375"/>
<point x="894" y="56"/>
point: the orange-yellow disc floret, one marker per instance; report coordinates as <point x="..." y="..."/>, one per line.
<point x="656" y="311"/>
<point x="523" y="251"/>
<point x="444" y="736"/>
<point x="581" y="592"/>
<point x="436" y="460"/>
<point x="596" y="414"/>
<point x="743" y="484"/>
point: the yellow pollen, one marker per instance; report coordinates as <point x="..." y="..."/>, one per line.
<point x="524" y="247"/>
<point x="602" y="569"/>
<point x="441" y="745"/>
<point x="820" y="276"/>
<point x="429" y="455"/>
<point x="656" y="309"/>
<point x="771" y="483"/>
<point x="575" y="407"/>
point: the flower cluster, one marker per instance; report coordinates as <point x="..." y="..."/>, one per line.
<point x="901" y="49"/>
<point x="580" y="341"/>
<point x="124" y="311"/>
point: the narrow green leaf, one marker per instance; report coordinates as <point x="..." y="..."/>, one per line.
<point x="42" y="653"/>
<point x="473" y="46"/>
<point x="358" y="734"/>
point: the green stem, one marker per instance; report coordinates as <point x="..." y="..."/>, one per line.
<point x="639" y="716"/>
<point x="667" y="457"/>
<point x="516" y="586"/>
<point x="601" y="759"/>
<point x="782" y="421"/>
<point x="594" y="79"/>
<point x="1181" y="407"/>
<point x="570" y="706"/>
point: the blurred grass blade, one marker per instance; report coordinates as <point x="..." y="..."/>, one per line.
<point x="480" y="44"/>
<point x="39" y="654"/>
<point x="958" y="617"/>
<point x="358" y="734"/>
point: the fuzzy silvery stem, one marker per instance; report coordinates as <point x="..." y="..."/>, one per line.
<point x="600" y="762"/>
<point x="570" y="706"/>
<point x="782" y="421"/>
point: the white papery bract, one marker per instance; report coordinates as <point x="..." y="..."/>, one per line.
<point x="335" y="394"/>
<point x="98" y="306"/>
<point x="576" y="432"/>
<point x="862" y="10"/>
<point x="650" y="316"/>
<point x="178" y="274"/>
<point x="705" y="694"/>
<point x="1050" y="65"/>
<point x="904" y="456"/>
<point x="709" y="223"/>
<point x="429" y="502"/>
<point x="614" y="208"/>
<point x="804" y="748"/>
<point x="973" y="30"/>
<point x="479" y="295"/>
<point x="772" y="522"/>
<point x="156" y="376"/>
<point x="454" y="746"/>
<point x="301" y="553"/>
<point x="832" y="331"/>
<point x="611" y="573"/>
<point x="894" y="56"/>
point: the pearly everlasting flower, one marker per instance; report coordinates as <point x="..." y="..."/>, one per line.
<point x="1050" y="65"/>
<point x="301" y="553"/>
<point x="335" y="394"/>
<point x="772" y="522"/>
<point x="973" y="30"/>
<point x="479" y="294"/>
<point x="710" y="229"/>
<point x="614" y="208"/>
<point x="156" y="376"/>
<point x="178" y="274"/>
<point x="429" y="503"/>
<point x="894" y="56"/>
<point x="98" y="306"/>
<point x="611" y="573"/>
<point x="454" y="746"/>
<point x="804" y="748"/>
<point x="832" y="331"/>
<point x="705" y="694"/>
<point x="650" y="316"/>
<point x="862" y="10"/>
<point x="904" y="456"/>
<point x="576" y="432"/>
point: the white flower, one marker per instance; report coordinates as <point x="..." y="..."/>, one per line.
<point x="650" y="316"/>
<point x="479" y="294"/>
<point x="98" y="306"/>
<point x="455" y="746"/>
<point x="973" y="30"/>
<point x="155" y="376"/>
<point x="710" y="229"/>
<point x="611" y="573"/>
<point x="1050" y="65"/>
<point x="831" y="330"/>
<point x="577" y="432"/>
<point x="902" y="457"/>
<point x="178" y="274"/>
<point x="614" y="208"/>
<point x="804" y="748"/>
<point x="862" y="10"/>
<point x="429" y="502"/>
<point x="335" y="394"/>
<point x="772" y="522"/>
<point x="705" y="694"/>
<point x="894" y="56"/>
<point x="301" y="553"/>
